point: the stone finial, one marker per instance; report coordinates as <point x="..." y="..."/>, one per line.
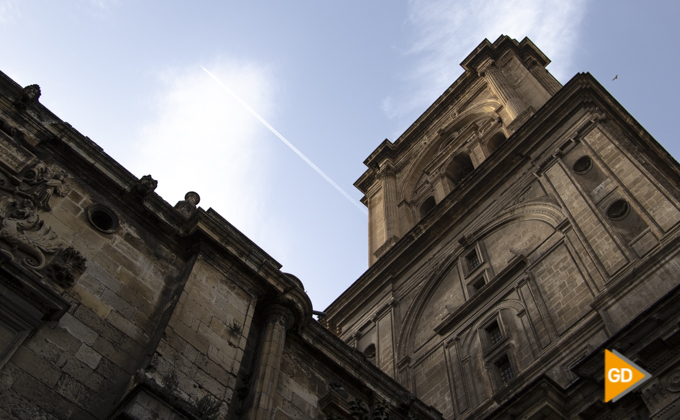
<point x="145" y="186"/>
<point x="29" y="96"/>
<point x="187" y="206"/>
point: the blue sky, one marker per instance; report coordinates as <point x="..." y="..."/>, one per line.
<point x="334" y="78"/>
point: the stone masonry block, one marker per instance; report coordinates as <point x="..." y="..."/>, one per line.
<point x="36" y="366"/>
<point x="46" y="349"/>
<point x="71" y="207"/>
<point x="111" y="372"/>
<point x="60" y="338"/>
<point x="122" y="260"/>
<point x="75" y="196"/>
<point x="142" y="289"/>
<point x="92" y="285"/>
<point x="126" y="327"/>
<point x="119" y="304"/>
<point x="101" y="275"/>
<point x="209" y="383"/>
<point x="84" y="374"/>
<point x="79" y="394"/>
<point x="47" y="399"/>
<point x="196" y="340"/>
<point x="92" y="320"/>
<point x="114" y="354"/>
<point x="91" y="301"/>
<point x="77" y="329"/>
<point x="88" y="356"/>
<point x="136" y="299"/>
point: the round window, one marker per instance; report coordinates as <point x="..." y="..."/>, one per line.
<point x="102" y="218"/>
<point x="618" y="210"/>
<point x="583" y="165"/>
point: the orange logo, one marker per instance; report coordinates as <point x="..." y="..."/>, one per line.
<point x="621" y="376"/>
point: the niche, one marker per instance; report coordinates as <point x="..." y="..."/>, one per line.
<point x="624" y="219"/>
<point x="427" y="206"/>
<point x="590" y="176"/>
<point x="460" y="167"/>
<point x="494" y="143"/>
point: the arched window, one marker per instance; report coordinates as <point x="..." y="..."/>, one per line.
<point x="459" y="168"/>
<point x="494" y="143"/>
<point x="427" y="205"/>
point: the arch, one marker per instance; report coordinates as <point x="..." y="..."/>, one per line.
<point x="495" y="142"/>
<point x="415" y="310"/>
<point x="459" y="167"/>
<point x="427" y="206"/>
<point x="544" y="211"/>
<point x="474" y="113"/>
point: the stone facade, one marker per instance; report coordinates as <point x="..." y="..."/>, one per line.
<point x="516" y="230"/>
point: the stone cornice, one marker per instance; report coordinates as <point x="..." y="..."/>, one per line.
<point x="44" y="135"/>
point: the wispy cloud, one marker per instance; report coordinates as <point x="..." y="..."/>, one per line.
<point x="99" y="9"/>
<point x="203" y="140"/>
<point x="447" y="31"/>
<point x="9" y="10"/>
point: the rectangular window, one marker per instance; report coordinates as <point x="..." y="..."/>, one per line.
<point x="494" y="333"/>
<point x="505" y="369"/>
<point x="473" y="260"/>
<point x="476" y="285"/>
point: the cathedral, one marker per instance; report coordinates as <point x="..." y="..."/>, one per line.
<point x="517" y="230"/>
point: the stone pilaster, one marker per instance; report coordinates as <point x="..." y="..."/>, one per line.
<point x="500" y="86"/>
<point x="543" y="76"/>
<point x="440" y="184"/>
<point x="278" y="320"/>
<point x="389" y="187"/>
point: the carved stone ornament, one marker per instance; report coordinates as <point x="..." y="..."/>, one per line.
<point x="673" y="381"/>
<point x="187" y="206"/>
<point x="22" y="229"/>
<point x="67" y="267"/>
<point x="41" y="182"/>
<point x="29" y="97"/>
<point x="24" y="237"/>
<point x="145" y="186"/>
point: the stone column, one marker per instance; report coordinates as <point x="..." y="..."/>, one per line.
<point x="499" y="85"/>
<point x="440" y="184"/>
<point x="544" y="77"/>
<point x="389" y="187"/>
<point x="278" y="320"/>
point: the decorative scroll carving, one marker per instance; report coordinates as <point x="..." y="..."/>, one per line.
<point x="24" y="237"/>
<point x="29" y="97"/>
<point x="145" y="186"/>
<point x="41" y="182"/>
<point x="22" y="229"/>
<point x="67" y="267"/>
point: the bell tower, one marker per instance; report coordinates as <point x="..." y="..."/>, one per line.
<point x="504" y="83"/>
<point x="517" y="229"/>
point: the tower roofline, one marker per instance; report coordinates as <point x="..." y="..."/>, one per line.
<point x="483" y="52"/>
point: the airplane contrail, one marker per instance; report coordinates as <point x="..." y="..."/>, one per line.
<point x="283" y="139"/>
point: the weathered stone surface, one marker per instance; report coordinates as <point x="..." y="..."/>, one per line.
<point x="88" y="356"/>
<point x="516" y="229"/>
